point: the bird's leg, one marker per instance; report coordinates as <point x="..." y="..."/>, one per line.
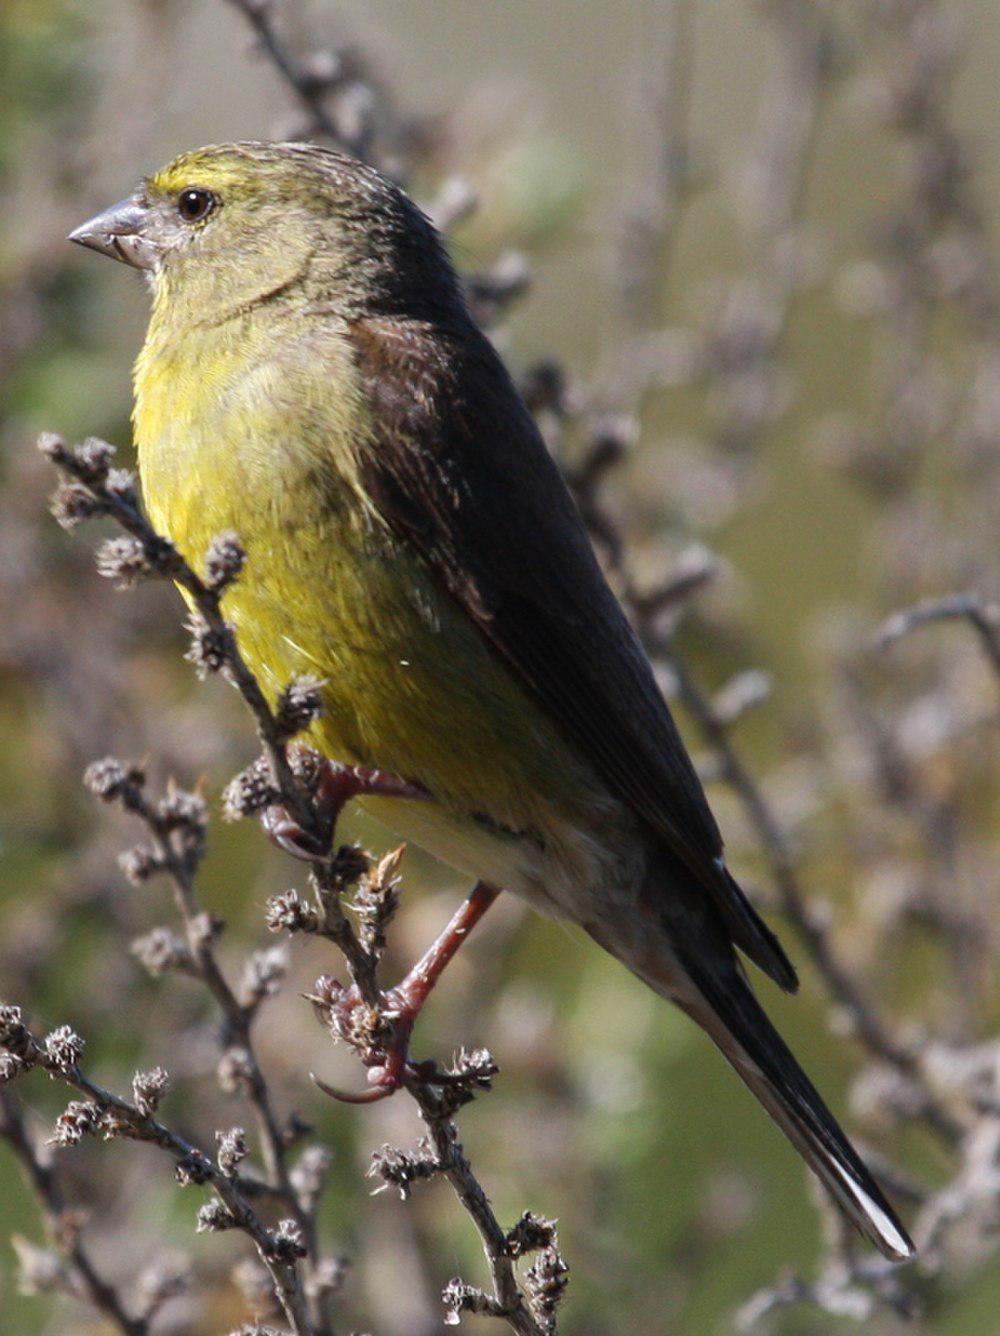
<point x="390" y="1065"/>
<point x="337" y="785"/>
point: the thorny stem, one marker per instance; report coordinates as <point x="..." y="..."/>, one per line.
<point x="43" y="1181"/>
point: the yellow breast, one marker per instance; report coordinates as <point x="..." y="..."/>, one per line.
<point x="240" y="429"/>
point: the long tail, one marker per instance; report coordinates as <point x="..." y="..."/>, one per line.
<point x="685" y="952"/>
<point x="735" y="1020"/>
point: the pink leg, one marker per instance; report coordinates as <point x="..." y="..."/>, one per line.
<point x="402" y="1004"/>
<point x="338" y="785"/>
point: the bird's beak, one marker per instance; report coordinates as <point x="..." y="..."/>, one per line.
<point x="120" y="233"/>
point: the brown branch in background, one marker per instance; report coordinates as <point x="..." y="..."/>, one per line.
<point x="982" y="616"/>
<point x="336" y="94"/>
<point x="77" y="1276"/>
<point x="109" y="1115"/>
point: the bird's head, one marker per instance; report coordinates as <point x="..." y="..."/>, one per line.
<point x="222" y="228"/>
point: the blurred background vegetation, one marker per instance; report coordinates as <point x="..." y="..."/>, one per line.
<point x="761" y="242"/>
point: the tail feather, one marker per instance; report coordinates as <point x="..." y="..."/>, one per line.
<point x="680" y="940"/>
<point x="727" y="1009"/>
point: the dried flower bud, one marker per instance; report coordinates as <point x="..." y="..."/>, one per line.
<point x="140" y="863"/>
<point x="235" y="1071"/>
<point x="214" y="1216"/>
<point x="210" y="647"/>
<point x="53" y="447"/>
<point x="121" y="485"/>
<point x="192" y="1170"/>
<point x="224" y="560"/>
<point x="207" y="928"/>
<point x="263" y="975"/>
<point x="285" y="1243"/>
<point x="111" y="781"/>
<point x="162" y="951"/>
<point x="80" y="1118"/>
<point x="233" y="1149"/>
<point x="93" y="459"/>
<point x="64" y="1048"/>
<point x="148" y="1088"/>
<point x="15" y="1036"/>
<point x="401" y="1169"/>
<point x="288" y="912"/>
<point x="531" y="1233"/>
<point x="11" y="1067"/>
<point x="299" y="705"/>
<point x="181" y="807"/>
<point x="250" y="791"/>
<point x="124" y="560"/>
<point x="545" y="1283"/>
<point x="459" y="1298"/>
<point x="73" y="503"/>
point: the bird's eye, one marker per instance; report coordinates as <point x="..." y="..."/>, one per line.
<point x="194" y="204"/>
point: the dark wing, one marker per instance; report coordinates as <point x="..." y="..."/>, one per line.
<point x="457" y="465"/>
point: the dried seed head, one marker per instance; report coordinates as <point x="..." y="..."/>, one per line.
<point x="285" y="1243"/>
<point x="250" y="791"/>
<point x="214" y="1216"/>
<point x="235" y="1071"/>
<point x="125" y="560"/>
<point x="64" y="1048"/>
<point x="148" y="1088"/>
<point x="140" y="863"/>
<point x="210" y="647"/>
<point x="181" y="807"/>
<point x="263" y="975"/>
<point x="192" y="1170"/>
<point x="122" y="486"/>
<point x="288" y="912"/>
<point x="224" y="560"/>
<point x="80" y="1118"/>
<point x="15" y="1036"/>
<point x="459" y="1298"/>
<point x="232" y="1150"/>
<point x="110" y="780"/>
<point x="531" y="1233"/>
<point x="299" y="705"/>
<point x="401" y="1169"/>
<point x="545" y="1283"/>
<point x="206" y="928"/>
<point x="72" y="503"/>
<point x="162" y="951"/>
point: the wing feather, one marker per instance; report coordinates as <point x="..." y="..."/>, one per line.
<point x="456" y="465"/>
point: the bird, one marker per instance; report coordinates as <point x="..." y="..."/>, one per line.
<point x="312" y="380"/>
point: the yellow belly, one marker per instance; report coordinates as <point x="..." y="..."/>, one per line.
<point x="410" y="684"/>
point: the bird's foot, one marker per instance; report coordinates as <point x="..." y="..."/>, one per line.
<point x="386" y="1056"/>
<point x="336" y="785"/>
<point x="382" y="1035"/>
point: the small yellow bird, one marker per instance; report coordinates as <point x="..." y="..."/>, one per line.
<point x="313" y="380"/>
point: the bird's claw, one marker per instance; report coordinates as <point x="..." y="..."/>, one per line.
<point x="337" y="785"/>
<point x="389" y="1065"/>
